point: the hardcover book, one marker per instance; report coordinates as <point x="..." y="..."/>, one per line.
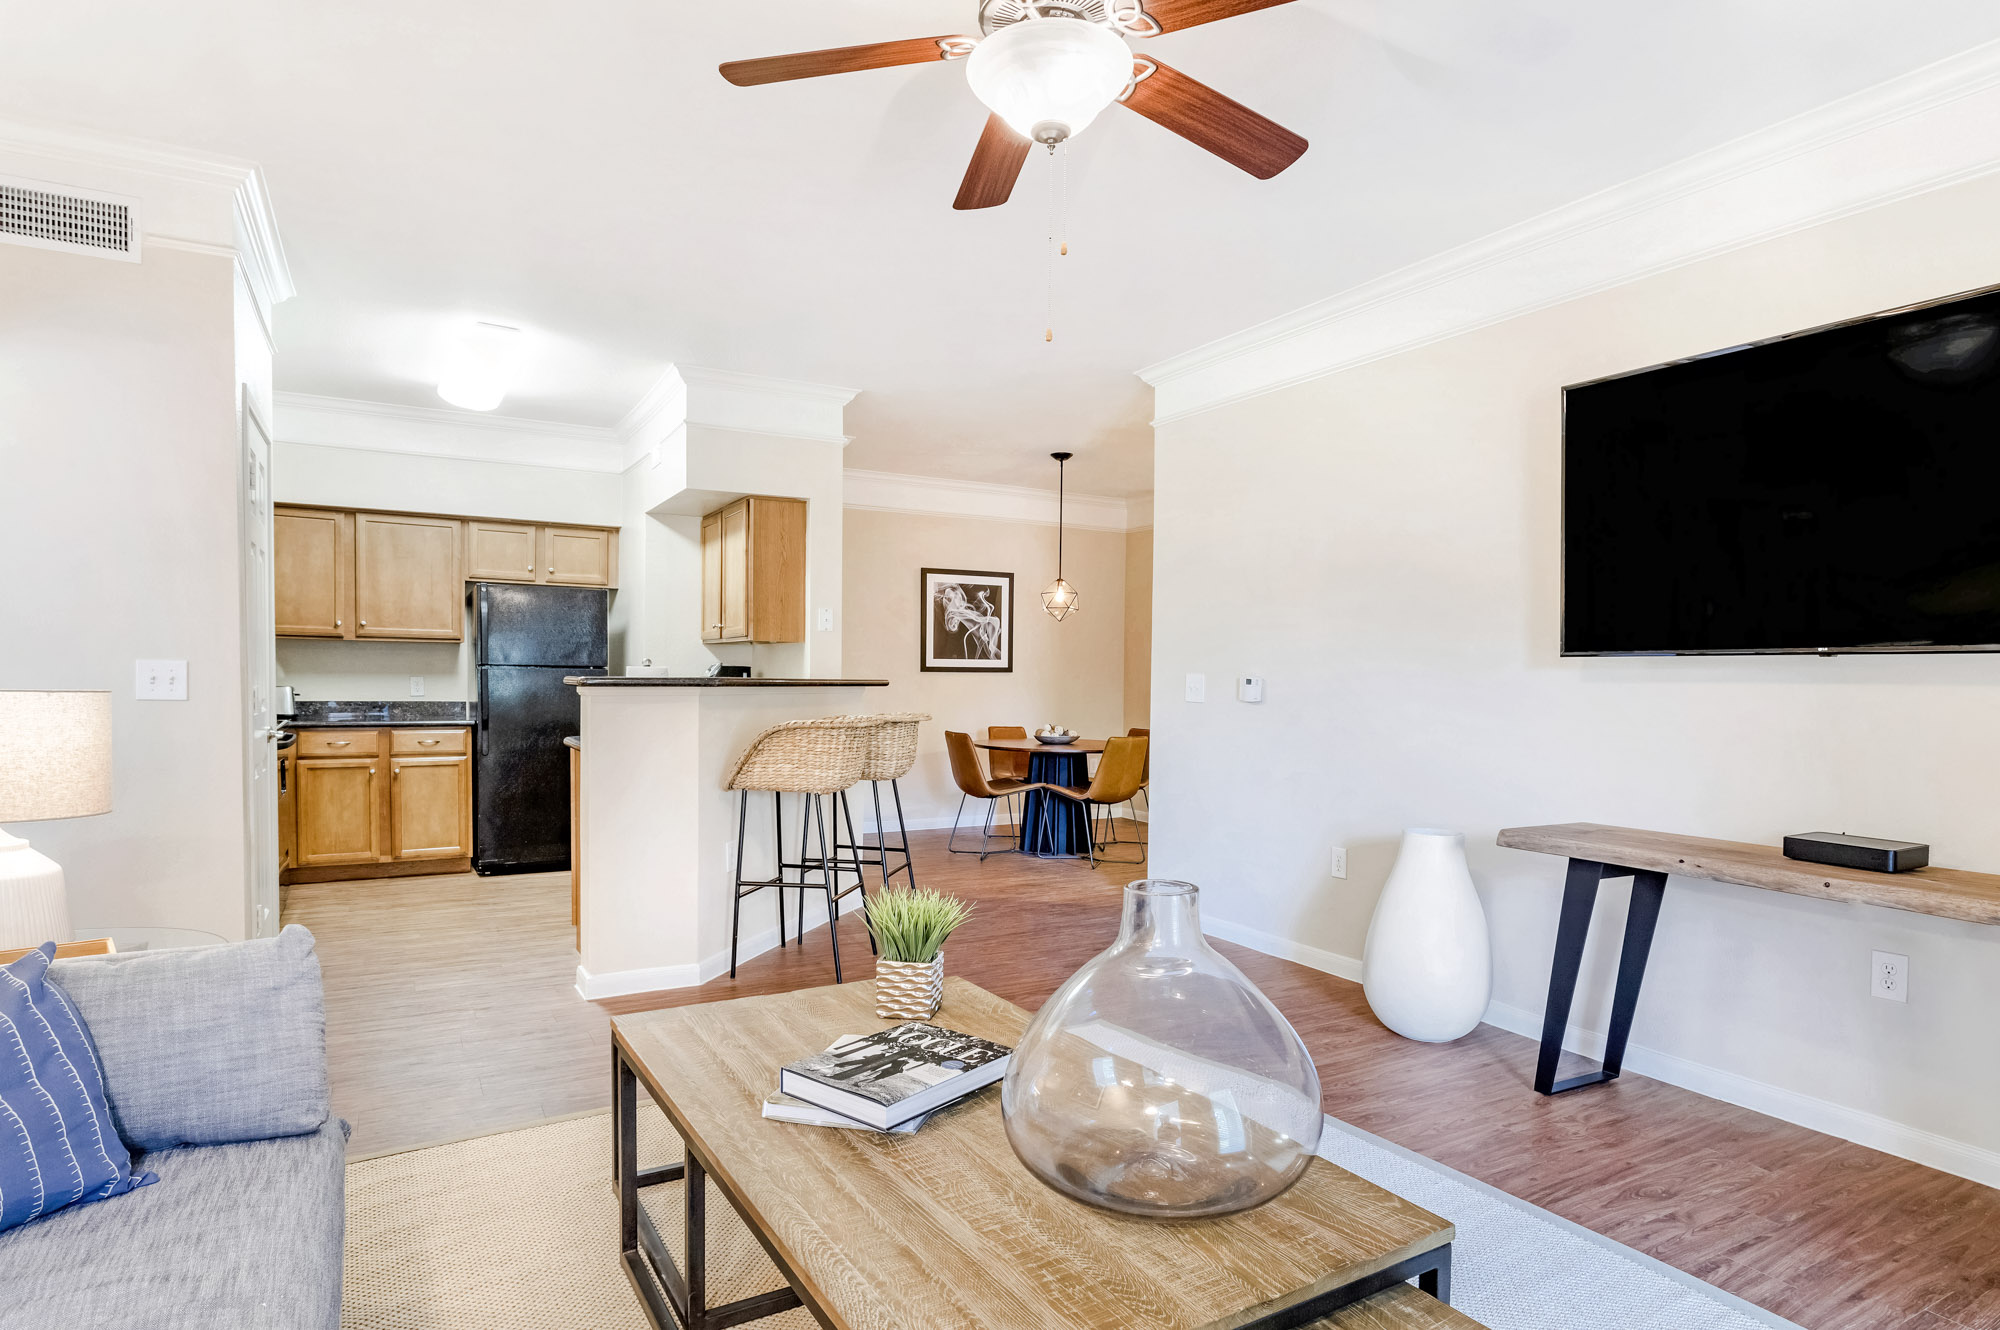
<point x="779" y="1107"/>
<point x="887" y="1078"/>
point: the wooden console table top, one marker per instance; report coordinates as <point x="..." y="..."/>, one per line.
<point x="1950" y="893"/>
<point x="947" y="1230"/>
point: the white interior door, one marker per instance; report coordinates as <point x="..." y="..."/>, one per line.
<point x="260" y="657"/>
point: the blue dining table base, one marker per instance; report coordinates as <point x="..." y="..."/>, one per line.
<point x="1053" y="827"/>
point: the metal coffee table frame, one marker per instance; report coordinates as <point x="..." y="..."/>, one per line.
<point x="674" y="1300"/>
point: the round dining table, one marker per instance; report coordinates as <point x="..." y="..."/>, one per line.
<point x="1052" y="827"/>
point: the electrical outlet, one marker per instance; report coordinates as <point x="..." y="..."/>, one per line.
<point x="1340" y="861"/>
<point x="416" y="685"/>
<point x="1889" y="977"/>
<point x="1197" y="688"/>
<point x="826" y="621"/>
<point x="160" y="680"/>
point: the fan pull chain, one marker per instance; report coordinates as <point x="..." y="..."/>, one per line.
<point x="1058" y="197"/>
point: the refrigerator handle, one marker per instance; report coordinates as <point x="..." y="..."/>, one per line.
<point x="483" y="711"/>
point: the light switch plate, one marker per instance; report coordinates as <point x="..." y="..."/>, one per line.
<point x="416" y="685"/>
<point x="160" y="680"/>
<point x="1197" y="688"/>
<point x="1249" y="688"/>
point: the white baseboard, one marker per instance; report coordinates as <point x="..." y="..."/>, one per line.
<point x="1328" y="962"/>
<point x="1915" y="1144"/>
<point x="1822" y="1115"/>
<point x="658" y="978"/>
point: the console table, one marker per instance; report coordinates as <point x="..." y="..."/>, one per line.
<point x="1597" y="853"/>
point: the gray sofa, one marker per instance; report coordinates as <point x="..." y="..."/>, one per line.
<point x="214" y="1064"/>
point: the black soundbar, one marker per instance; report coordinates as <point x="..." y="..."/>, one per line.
<point x="1863" y="852"/>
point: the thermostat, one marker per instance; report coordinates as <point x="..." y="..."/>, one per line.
<point x="1249" y="688"/>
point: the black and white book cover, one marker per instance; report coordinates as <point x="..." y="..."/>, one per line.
<point x="884" y="1078"/>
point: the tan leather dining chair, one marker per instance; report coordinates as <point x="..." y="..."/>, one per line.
<point x="1007" y="766"/>
<point x="973" y="783"/>
<point x="1118" y="777"/>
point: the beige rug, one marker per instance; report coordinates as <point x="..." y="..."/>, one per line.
<point x="519" y="1231"/>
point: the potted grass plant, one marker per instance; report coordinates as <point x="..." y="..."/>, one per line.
<point x="910" y="927"/>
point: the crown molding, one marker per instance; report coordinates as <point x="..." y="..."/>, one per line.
<point x="207" y="203"/>
<point x="891" y="492"/>
<point x="754" y="404"/>
<point x="466" y="436"/>
<point x="1934" y="127"/>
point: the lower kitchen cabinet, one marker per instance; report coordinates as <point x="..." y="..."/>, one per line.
<point x="377" y="803"/>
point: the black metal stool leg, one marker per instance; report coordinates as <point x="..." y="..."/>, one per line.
<point x="832" y="904"/>
<point x="860" y="869"/>
<point x="778" y="853"/>
<point x="909" y="868"/>
<point x="736" y="906"/>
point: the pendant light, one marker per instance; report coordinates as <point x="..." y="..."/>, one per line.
<point x="1060" y="599"/>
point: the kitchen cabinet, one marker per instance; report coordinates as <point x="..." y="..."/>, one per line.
<point x="501" y="551"/>
<point x="407" y="583"/>
<point x="753" y="565"/>
<point x="337" y="804"/>
<point x="288" y="810"/>
<point x="312" y="572"/>
<point x="377" y="803"/>
<point x="401" y="576"/>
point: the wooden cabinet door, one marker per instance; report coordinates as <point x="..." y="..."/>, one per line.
<point x="312" y="561"/>
<point x="288" y="810"/>
<point x="430" y="807"/>
<point x="407" y="582"/>
<point x="777" y="570"/>
<point x="336" y="805"/>
<point x="736" y="572"/>
<point x="711" y="577"/>
<point x="500" y="551"/>
<point x="577" y="556"/>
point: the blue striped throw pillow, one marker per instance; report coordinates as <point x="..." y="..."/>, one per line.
<point x="57" y="1142"/>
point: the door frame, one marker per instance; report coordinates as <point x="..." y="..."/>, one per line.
<point x="262" y="905"/>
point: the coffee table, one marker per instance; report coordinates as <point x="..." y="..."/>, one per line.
<point x="944" y="1229"/>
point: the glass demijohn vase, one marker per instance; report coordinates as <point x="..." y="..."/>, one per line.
<point x="1158" y="1081"/>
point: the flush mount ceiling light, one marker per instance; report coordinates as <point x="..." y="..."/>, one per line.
<point x="1045" y="68"/>
<point x="481" y="367"/>
<point x="1060" y="599"/>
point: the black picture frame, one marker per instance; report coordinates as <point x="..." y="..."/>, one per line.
<point x="975" y="635"/>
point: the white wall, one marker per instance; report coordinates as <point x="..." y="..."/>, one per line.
<point x="336" y="476"/>
<point x="1072" y="672"/>
<point x="119" y="528"/>
<point x="1383" y="545"/>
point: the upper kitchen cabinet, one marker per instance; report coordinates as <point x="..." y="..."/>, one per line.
<point x="407" y="583"/>
<point x="753" y="571"/>
<point x="501" y="551"/>
<point x="527" y="552"/>
<point x="313" y="572"/>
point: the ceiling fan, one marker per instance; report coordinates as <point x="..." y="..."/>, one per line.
<point x="1046" y="68"/>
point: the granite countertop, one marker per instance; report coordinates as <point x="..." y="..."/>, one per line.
<point x="703" y="681"/>
<point x="573" y="741"/>
<point x="410" y="715"/>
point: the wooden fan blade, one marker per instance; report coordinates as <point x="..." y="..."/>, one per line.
<point x="839" y="60"/>
<point x="1173" y="15"/>
<point x="996" y="164"/>
<point x="1207" y="119"/>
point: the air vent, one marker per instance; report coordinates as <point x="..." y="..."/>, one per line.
<point x="51" y="217"/>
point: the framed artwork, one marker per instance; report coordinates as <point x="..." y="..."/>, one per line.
<point x="968" y="621"/>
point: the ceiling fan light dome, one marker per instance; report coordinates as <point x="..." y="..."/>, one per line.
<point x="1049" y="77"/>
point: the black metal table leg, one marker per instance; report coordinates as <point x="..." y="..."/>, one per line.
<point x="1573" y="929"/>
<point x="1431" y="1270"/>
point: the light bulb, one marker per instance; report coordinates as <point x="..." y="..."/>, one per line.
<point x="1049" y="77"/>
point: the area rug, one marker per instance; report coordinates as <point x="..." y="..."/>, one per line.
<point x="518" y="1231"/>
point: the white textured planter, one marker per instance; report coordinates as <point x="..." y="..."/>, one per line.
<point x="1428" y="966"/>
<point x="909" y="990"/>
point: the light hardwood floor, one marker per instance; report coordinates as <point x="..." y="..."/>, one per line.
<point x="450" y="1013"/>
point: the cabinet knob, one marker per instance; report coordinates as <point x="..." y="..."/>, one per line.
<point x="336" y="623"/>
<point x="552" y="567"/>
<point x="371" y="771"/>
<point x="364" y="623"/>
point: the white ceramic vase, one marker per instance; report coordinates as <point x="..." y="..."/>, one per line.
<point x="1428" y="966"/>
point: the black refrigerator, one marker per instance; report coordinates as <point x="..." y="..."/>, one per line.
<point x="526" y="640"/>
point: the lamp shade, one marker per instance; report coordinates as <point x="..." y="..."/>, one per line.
<point x="55" y="755"/>
<point x="1049" y="77"/>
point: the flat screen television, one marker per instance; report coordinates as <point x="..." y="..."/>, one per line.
<point x="1830" y="491"/>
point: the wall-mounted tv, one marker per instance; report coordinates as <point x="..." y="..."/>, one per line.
<point x="1830" y="491"/>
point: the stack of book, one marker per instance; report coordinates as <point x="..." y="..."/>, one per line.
<point x="887" y="1082"/>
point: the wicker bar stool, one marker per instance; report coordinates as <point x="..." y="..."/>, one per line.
<point x="892" y="751"/>
<point x="812" y="758"/>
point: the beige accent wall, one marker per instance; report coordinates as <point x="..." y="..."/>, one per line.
<point x="119" y="529"/>
<point x="1386" y="543"/>
<point x="1139" y="629"/>
<point x="1071" y="672"/>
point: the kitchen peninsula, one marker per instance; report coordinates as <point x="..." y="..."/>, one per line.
<point x="658" y="830"/>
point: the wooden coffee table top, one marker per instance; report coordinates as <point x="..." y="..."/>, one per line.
<point x="945" y="1228"/>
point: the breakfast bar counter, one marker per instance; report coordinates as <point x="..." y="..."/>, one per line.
<point x="658" y="830"/>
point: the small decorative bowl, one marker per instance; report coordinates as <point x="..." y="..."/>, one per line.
<point x="1055" y="738"/>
